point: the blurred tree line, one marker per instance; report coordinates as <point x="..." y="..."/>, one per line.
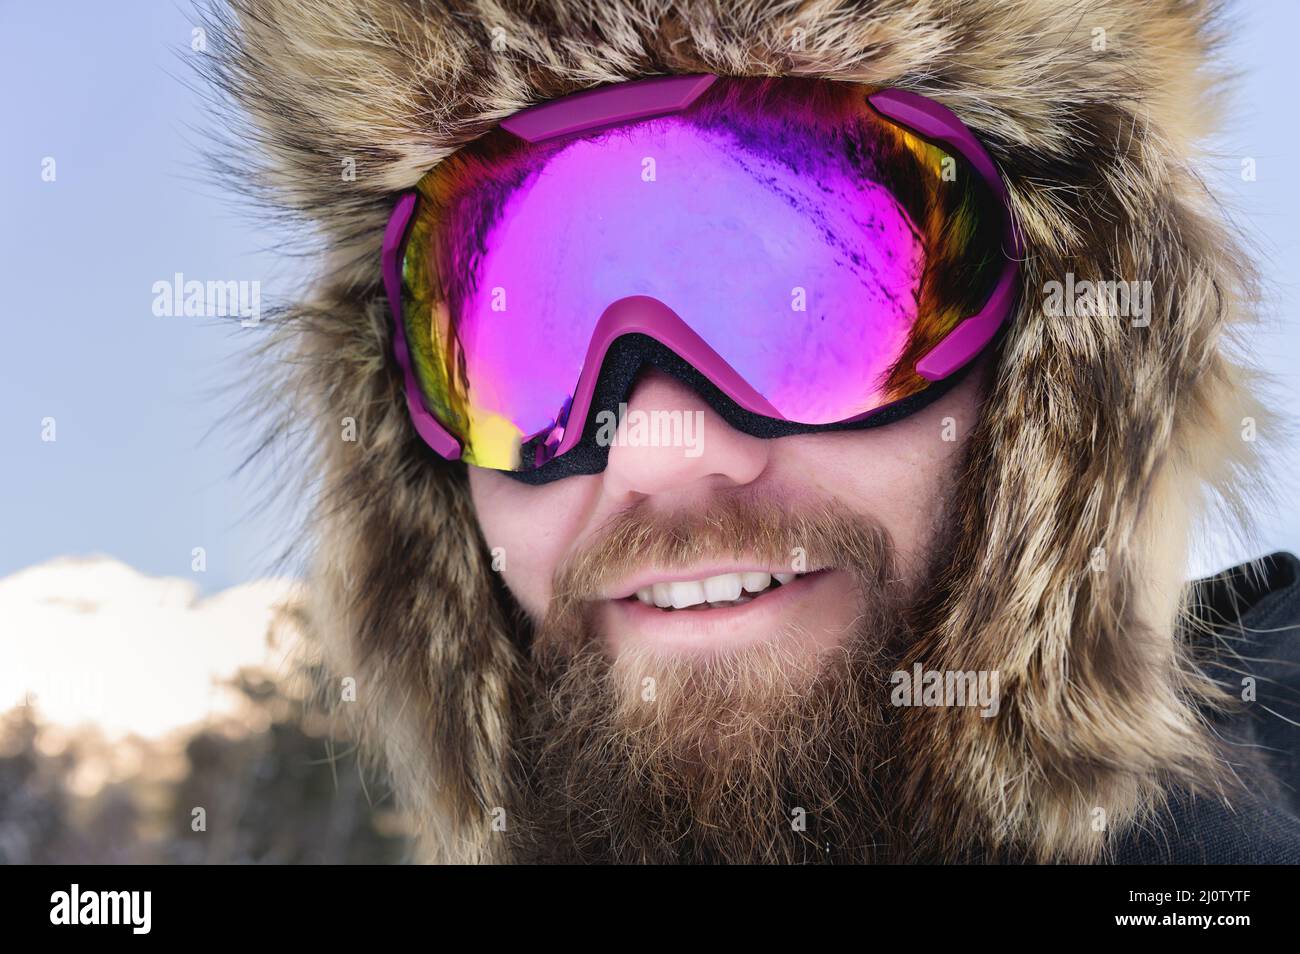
<point x="287" y="791"/>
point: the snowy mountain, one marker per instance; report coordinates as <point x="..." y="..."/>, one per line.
<point x="91" y="640"/>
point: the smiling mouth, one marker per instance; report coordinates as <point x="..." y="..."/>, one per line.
<point x="713" y="592"/>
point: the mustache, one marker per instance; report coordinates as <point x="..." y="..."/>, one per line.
<point x="742" y="525"/>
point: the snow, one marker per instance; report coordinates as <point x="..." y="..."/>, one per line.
<point x="92" y="640"/>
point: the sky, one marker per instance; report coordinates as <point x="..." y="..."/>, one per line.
<point x="142" y="468"/>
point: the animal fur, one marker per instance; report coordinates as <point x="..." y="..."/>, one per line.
<point x="1098" y="437"/>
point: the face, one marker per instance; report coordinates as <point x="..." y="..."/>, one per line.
<point x="706" y="605"/>
<point x="713" y="618"/>
<point x="679" y="703"/>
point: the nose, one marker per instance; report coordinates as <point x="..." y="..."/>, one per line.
<point x="672" y="444"/>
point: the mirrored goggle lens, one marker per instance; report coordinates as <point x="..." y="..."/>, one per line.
<point x="819" y="249"/>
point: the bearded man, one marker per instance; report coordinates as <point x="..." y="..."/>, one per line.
<point x="711" y="466"/>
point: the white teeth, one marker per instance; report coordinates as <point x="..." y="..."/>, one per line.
<point x="722" y="589"/>
<point x="686" y="594"/>
<point x="714" y="590"/>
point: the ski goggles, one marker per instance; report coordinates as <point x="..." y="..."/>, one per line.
<point x="806" y="254"/>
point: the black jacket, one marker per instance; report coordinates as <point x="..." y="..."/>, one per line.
<point x="1256" y="620"/>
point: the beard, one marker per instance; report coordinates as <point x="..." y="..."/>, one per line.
<point x="768" y="753"/>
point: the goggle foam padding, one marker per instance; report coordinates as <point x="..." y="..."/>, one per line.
<point x="631" y="353"/>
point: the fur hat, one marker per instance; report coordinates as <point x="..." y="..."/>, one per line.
<point x="1100" y="442"/>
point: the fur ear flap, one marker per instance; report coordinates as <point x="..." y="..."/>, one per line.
<point x="1098" y="435"/>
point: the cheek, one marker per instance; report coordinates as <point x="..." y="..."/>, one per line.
<point x="531" y="526"/>
<point x="901" y="474"/>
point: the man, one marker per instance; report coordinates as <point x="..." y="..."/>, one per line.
<point x="719" y="469"/>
